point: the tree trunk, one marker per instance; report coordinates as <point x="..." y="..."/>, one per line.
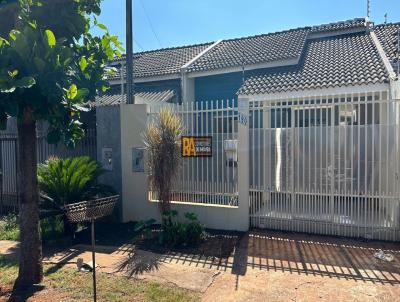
<point x="30" y="258"/>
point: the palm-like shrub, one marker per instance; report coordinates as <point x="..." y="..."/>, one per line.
<point x="161" y="140"/>
<point x="70" y="180"/>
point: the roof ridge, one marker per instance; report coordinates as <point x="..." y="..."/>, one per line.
<point x="340" y="22"/>
<point x="249" y="37"/>
<point x="389" y="23"/>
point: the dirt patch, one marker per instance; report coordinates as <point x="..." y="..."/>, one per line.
<point x="45" y="295"/>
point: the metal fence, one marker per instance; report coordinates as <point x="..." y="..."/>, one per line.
<point x="8" y="162"/>
<point x="206" y="180"/>
<point x="326" y="164"/>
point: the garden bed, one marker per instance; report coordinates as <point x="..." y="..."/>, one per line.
<point x="218" y="244"/>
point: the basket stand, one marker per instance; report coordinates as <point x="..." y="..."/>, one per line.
<point x="89" y="211"/>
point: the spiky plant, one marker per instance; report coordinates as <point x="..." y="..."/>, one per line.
<point x="69" y="180"/>
<point x="161" y="140"/>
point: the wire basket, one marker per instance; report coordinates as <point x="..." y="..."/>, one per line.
<point x="91" y="209"/>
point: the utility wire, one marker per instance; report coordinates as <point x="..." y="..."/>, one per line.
<point x="151" y="25"/>
<point x="138" y="44"/>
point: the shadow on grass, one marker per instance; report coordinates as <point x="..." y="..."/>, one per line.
<point x="23" y="295"/>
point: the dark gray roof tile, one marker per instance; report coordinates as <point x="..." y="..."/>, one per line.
<point x="329" y="62"/>
<point x="160" y="62"/>
<point x="253" y="50"/>
<point x="144" y="96"/>
<point x="341" y="25"/>
<point x="388" y="37"/>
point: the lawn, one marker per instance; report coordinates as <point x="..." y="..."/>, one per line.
<point x="70" y="285"/>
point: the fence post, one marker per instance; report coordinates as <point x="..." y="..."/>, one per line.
<point x="243" y="162"/>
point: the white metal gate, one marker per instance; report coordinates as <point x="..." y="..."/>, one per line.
<point x="206" y="180"/>
<point x="326" y="164"/>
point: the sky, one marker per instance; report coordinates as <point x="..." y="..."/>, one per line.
<point x="171" y="23"/>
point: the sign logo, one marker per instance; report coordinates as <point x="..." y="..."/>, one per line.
<point x="196" y="146"/>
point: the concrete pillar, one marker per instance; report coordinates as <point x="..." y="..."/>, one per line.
<point x="108" y="131"/>
<point x="135" y="204"/>
<point x="188" y="88"/>
<point x="243" y="163"/>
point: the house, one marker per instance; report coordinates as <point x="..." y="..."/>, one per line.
<point x="304" y="127"/>
<point x="342" y="54"/>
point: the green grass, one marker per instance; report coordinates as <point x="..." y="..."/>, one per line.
<point x="8" y="271"/>
<point x="9" y="229"/>
<point x="76" y="286"/>
<point x="52" y="228"/>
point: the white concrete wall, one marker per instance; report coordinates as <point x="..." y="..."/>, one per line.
<point x="135" y="203"/>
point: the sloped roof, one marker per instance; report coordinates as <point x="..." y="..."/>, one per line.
<point x="327" y="62"/>
<point x="388" y="37"/>
<point x="252" y="50"/>
<point x="146" y="96"/>
<point x="257" y="49"/>
<point x="340" y="25"/>
<point x="327" y="55"/>
<point x="266" y="48"/>
<point x="160" y="62"/>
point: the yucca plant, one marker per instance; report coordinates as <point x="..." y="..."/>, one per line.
<point x="162" y="143"/>
<point x="70" y="180"/>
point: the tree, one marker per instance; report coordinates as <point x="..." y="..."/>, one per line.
<point x="161" y="139"/>
<point x="50" y="65"/>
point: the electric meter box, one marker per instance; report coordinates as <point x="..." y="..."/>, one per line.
<point x="138" y="159"/>
<point x="107" y="159"/>
<point x="230" y="148"/>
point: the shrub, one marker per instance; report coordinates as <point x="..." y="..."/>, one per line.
<point x="145" y="227"/>
<point x="9" y="229"/>
<point x="176" y="233"/>
<point x="70" y="180"/>
<point x="52" y="228"/>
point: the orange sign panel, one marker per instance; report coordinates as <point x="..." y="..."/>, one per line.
<point x="196" y="146"/>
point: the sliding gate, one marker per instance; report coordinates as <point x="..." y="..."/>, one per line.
<point x="327" y="165"/>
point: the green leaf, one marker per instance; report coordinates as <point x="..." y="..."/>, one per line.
<point x="13" y="34"/>
<point x="83" y="64"/>
<point x="25" y="82"/>
<point x="33" y="24"/>
<point x="72" y="92"/>
<point x="13" y="73"/>
<point x="3" y="41"/>
<point x="101" y="26"/>
<point x="82" y="93"/>
<point x="51" y="39"/>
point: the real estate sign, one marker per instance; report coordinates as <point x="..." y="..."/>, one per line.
<point x="196" y="146"/>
